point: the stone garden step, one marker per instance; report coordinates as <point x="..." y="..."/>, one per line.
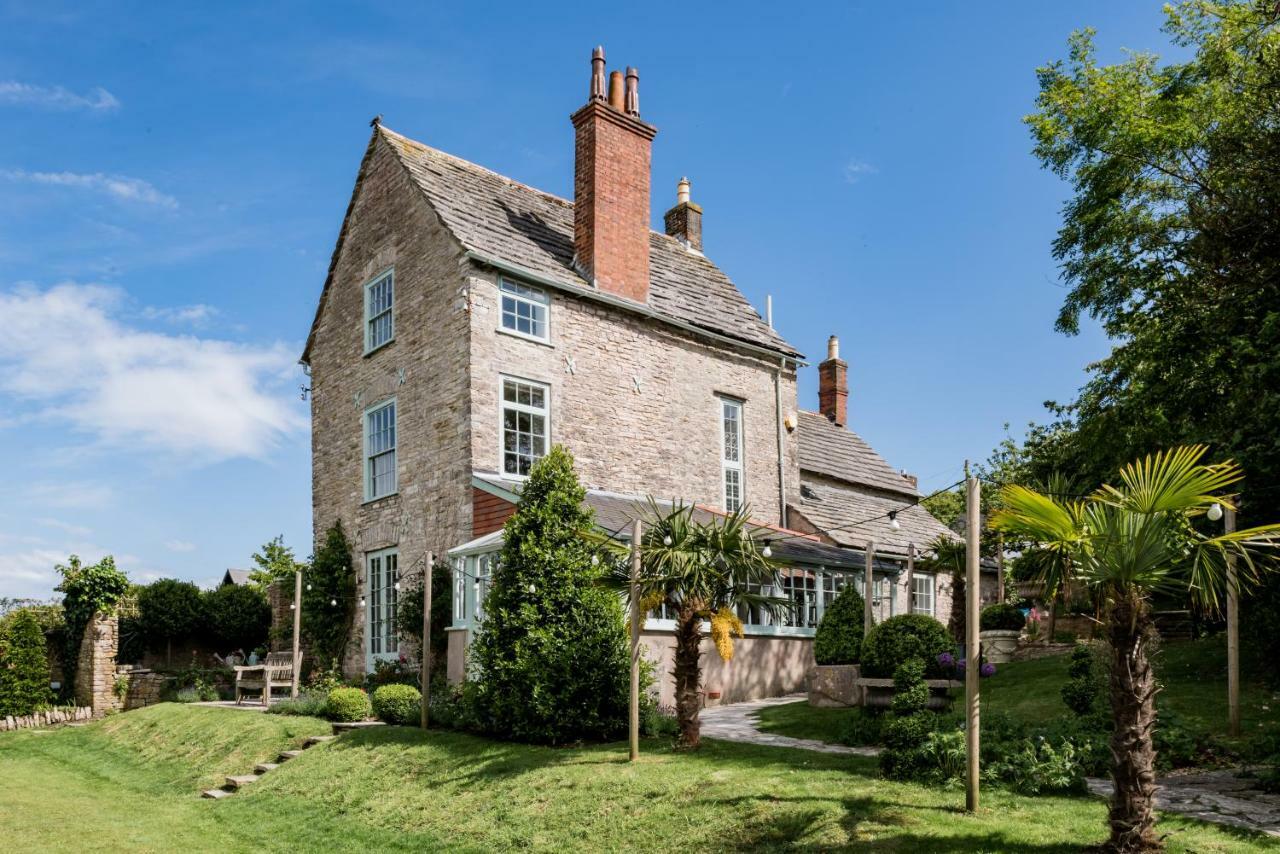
<point x="215" y="793"/>
<point x="286" y="755"/>
<point x="264" y="767"/>
<point x="317" y="739"/>
<point x="239" y="780"/>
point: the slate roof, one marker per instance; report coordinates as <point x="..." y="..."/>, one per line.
<point x="842" y="454"/>
<point x="614" y="512"/>
<point x="846" y="516"/>
<point x="235" y="576"/>
<point x="492" y="215"/>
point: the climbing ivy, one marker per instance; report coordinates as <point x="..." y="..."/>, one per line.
<point x="85" y="590"/>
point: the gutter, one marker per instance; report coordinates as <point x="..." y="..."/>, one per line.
<point x="627" y="305"/>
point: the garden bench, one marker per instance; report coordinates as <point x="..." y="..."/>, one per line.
<point x="275" y="672"/>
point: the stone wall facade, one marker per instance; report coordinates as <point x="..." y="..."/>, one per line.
<point x="146" y="687"/>
<point x="96" y="670"/>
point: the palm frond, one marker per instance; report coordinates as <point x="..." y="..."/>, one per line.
<point x="1172" y="481"/>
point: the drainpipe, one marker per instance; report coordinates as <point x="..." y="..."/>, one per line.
<point x="782" y="465"/>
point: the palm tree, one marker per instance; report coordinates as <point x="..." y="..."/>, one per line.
<point x="1125" y="544"/>
<point x="946" y="555"/>
<point x="700" y="572"/>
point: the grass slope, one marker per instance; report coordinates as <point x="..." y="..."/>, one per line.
<point x="130" y="784"/>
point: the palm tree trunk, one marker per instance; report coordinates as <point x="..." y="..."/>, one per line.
<point x="1133" y="711"/>
<point x="688" y="672"/>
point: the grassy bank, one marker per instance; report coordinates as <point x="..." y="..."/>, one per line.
<point x="131" y="783"/>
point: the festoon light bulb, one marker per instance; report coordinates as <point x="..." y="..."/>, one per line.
<point x="1215" y="512"/>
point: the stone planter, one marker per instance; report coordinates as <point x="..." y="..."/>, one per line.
<point x="1030" y="589"/>
<point x="999" y="645"/>
<point x="833" y="686"/>
<point x="878" y="693"/>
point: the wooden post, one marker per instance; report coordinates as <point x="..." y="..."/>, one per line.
<point x="911" y="572"/>
<point x="297" y="639"/>
<point x="1233" y="632"/>
<point x="868" y="587"/>
<point x="972" y="653"/>
<point x="1000" y="567"/>
<point x="427" y="574"/>
<point x="636" y="616"/>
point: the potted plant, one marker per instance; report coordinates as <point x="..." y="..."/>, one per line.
<point x="1001" y="626"/>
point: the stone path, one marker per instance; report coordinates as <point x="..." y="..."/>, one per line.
<point x="737" y="722"/>
<point x="1218" y="796"/>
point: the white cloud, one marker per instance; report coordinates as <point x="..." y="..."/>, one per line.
<point x="195" y="315"/>
<point x="66" y="527"/>
<point x="855" y="169"/>
<point x="120" y="187"/>
<point x="67" y="494"/>
<point x="96" y="99"/>
<point x="179" y="546"/>
<point x="67" y="354"/>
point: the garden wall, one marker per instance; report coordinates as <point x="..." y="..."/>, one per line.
<point x="43" y="719"/>
<point x="762" y="666"/>
<point x="96" y="671"/>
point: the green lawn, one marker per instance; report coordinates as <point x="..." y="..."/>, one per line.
<point x="1193" y="674"/>
<point x="130" y="784"/>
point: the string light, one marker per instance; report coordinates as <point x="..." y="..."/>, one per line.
<point x="361" y="601"/>
<point x="292" y="606"/>
<point x="308" y="586"/>
<point x="333" y="601"/>
<point x="1215" y="512"/>
<point x="666" y="541"/>
<point x="893" y="520"/>
<point x="767" y="551"/>
<point x="595" y="560"/>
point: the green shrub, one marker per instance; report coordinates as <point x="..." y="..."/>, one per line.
<point x="86" y="591"/>
<point x="1001" y="617"/>
<point x="24" y="667"/>
<point x="327" y="627"/>
<point x="907" y="730"/>
<point x="409" y="615"/>
<point x="904" y="637"/>
<point x="451" y="705"/>
<point x="398" y="672"/>
<point x="236" y="617"/>
<point x="398" y="704"/>
<point x="348" y="704"/>
<point x="551" y="660"/>
<point x="1038" y="767"/>
<point x="309" y="703"/>
<point x="860" y="728"/>
<point x="839" y="636"/>
<point x="169" y="610"/>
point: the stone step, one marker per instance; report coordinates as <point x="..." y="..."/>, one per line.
<point x="317" y="739"/>
<point x="264" y="767"/>
<point x="215" y="793"/>
<point x="239" y="780"/>
<point x="286" y="755"/>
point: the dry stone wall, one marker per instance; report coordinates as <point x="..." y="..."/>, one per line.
<point x="96" y="672"/>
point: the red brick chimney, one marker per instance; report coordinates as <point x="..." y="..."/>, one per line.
<point x="612" y="150"/>
<point x="833" y="385"/>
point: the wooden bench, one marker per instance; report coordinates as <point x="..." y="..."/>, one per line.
<point x="275" y="672"/>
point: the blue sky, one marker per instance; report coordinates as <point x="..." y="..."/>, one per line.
<point x="171" y="184"/>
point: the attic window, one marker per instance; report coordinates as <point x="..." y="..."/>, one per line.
<point x="379" y="312"/>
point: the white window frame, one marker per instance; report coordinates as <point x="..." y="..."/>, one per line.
<point x="387" y="276"/>
<point x="503" y="404"/>
<point x="367" y="462"/>
<point x="381" y="600"/>
<point x="931" y="594"/>
<point x="521" y="294"/>
<point x="727" y="465"/>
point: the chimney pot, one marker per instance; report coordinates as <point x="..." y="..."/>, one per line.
<point x="833" y="385"/>
<point x="616" y="96"/>
<point x="633" y="91"/>
<point x="682" y="191"/>
<point x="684" y="221"/>
<point x="597" y="75"/>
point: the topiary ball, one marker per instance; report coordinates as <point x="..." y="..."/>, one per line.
<point x="1001" y="617"/>
<point x="899" y="638"/>
<point x="348" y="704"/>
<point x="398" y="704"/>
<point x="839" y="636"/>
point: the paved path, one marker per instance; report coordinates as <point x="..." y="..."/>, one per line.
<point x="737" y="722"/>
<point x="1216" y="796"/>
<point x="232" y="704"/>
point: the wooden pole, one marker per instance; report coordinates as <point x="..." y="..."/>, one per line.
<point x="636" y="530"/>
<point x="911" y="571"/>
<point x="867" y="588"/>
<point x="297" y="635"/>
<point x="972" y="653"/>
<point x="427" y="573"/>
<point x="1000" y="567"/>
<point x="1233" y="633"/>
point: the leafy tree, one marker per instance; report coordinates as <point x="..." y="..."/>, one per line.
<point x="274" y="563"/>
<point x="169" y="610"/>
<point x="1128" y="543"/>
<point x="551" y="658"/>
<point x="328" y="599"/>
<point x="1171" y="241"/>
<point x="86" y="591"/>
<point x="237" y="617"/>
<point x="409" y="614"/>
<point x="24" y="666"/>
<point x="700" y="572"/>
<point x="839" y="636"/>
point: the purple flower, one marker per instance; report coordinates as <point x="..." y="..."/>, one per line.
<point x="960" y="665"/>
<point x="987" y="669"/>
<point x="947" y="660"/>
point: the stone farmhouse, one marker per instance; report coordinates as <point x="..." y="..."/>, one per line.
<point x="469" y="321"/>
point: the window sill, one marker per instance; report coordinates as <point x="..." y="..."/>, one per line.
<point x="532" y="339"/>
<point x="457" y="628"/>
<point x="384" y="345"/>
<point x="369" y="501"/>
